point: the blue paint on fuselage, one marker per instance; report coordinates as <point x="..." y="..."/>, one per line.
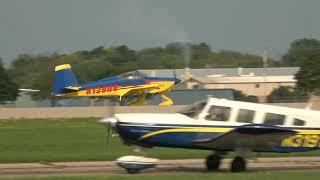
<point x="170" y="139"/>
<point x="120" y="81"/>
<point x="133" y="133"/>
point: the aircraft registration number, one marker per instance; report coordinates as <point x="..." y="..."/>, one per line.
<point x="101" y="89"/>
<point x="302" y="140"/>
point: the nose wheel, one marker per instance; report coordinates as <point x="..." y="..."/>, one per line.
<point x="213" y="162"/>
<point x="238" y="164"/>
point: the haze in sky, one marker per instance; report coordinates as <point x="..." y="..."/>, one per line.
<point x="64" y="26"/>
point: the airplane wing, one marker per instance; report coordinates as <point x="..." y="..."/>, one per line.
<point x="136" y="89"/>
<point x="250" y="136"/>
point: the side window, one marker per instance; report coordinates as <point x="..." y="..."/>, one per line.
<point x="245" y="116"/>
<point x="274" y="119"/>
<point x="218" y="113"/>
<point x="298" y="122"/>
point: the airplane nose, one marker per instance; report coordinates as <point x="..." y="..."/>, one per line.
<point x="176" y="80"/>
<point x="109" y="121"/>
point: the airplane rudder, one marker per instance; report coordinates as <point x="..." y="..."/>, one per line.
<point x="63" y="77"/>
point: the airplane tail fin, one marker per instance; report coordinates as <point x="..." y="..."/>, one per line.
<point x="64" y="79"/>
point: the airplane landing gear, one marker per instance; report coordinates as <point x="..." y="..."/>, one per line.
<point x="213" y="162"/>
<point x="238" y="164"/>
<point x="141" y="100"/>
<point x="133" y="171"/>
<point x="167" y="101"/>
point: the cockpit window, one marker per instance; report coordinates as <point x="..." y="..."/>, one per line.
<point x="245" y="116"/>
<point x="298" y="122"/>
<point x="218" y="113"/>
<point x="194" y="109"/>
<point x="274" y="119"/>
<point x="133" y="75"/>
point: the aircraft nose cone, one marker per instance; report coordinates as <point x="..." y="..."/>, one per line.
<point x="109" y="121"/>
<point x="176" y="80"/>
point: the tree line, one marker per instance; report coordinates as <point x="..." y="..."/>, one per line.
<point x="36" y="70"/>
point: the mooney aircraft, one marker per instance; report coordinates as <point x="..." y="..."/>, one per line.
<point x="130" y="83"/>
<point x="222" y="126"/>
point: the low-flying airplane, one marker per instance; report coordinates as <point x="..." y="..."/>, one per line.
<point x="130" y="83"/>
<point x="222" y="126"/>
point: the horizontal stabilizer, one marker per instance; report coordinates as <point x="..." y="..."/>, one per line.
<point x="29" y="90"/>
<point x="74" y="88"/>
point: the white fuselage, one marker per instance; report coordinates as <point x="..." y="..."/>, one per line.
<point x="216" y="117"/>
<point x="310" y="117"/>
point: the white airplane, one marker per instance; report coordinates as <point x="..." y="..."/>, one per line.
<point x="222" y="126"/>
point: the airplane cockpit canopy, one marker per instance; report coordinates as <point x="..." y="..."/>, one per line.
<point x="194" y="109"/>
<point x="133" y="75"/>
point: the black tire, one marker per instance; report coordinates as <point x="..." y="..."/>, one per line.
<point x="239" y="164"/>
<point x="213" y="162"/>
<point x="133" y="171"/>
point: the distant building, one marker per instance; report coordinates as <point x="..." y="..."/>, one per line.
<point x="189" y="96"/>
<point x="252" y="81"/>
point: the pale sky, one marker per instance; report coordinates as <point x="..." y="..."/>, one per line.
<point x="45" y="26"/>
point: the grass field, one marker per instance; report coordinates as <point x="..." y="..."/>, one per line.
<point x="75" y="140"/>
<point x="295" y="175"/>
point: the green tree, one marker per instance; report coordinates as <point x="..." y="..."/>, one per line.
<point x="8" y="89"/>
<point x="36" y="71"/>
<point x="240" y="96"/>
<point x="300" y="51"/>
<point x="286" y="94"/>
<point x="308" y="77"/>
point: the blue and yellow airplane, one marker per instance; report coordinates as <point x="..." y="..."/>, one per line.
<point x="130" y="83"/>
<point x="223" y="126"/>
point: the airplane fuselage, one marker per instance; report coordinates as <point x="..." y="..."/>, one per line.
<point x="65" y="84"/>
<point x="181" y="136"/>
<point x="118" y="87"/>
<point x="185" y="131"/>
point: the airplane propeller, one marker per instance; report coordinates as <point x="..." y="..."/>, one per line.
<point x="110" y="122"/>
<point x="174" y="73"/>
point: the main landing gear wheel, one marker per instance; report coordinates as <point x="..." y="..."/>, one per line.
<point x="238" y="164"/>
<point x="213" y="162"/>
<point x="133" y="171"/>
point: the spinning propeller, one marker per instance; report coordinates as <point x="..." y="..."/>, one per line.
<point x="110" y="121"/>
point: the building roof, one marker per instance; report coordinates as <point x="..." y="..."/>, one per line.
<point x="220" y="72"/>
<point x="244" y="79"/>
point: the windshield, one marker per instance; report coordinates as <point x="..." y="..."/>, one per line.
<point x="133" y="75"/>
<point x="194" y="109"/>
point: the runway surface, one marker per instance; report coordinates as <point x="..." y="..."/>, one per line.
<point x="165" y="166"/>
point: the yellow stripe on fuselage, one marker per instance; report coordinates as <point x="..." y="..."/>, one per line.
<point x="310" y="131"/>
<point x="111" y="91"/>
<point x="217" y="130"/>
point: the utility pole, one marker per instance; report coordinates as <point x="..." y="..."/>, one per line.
<point x="265" y="66"/>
